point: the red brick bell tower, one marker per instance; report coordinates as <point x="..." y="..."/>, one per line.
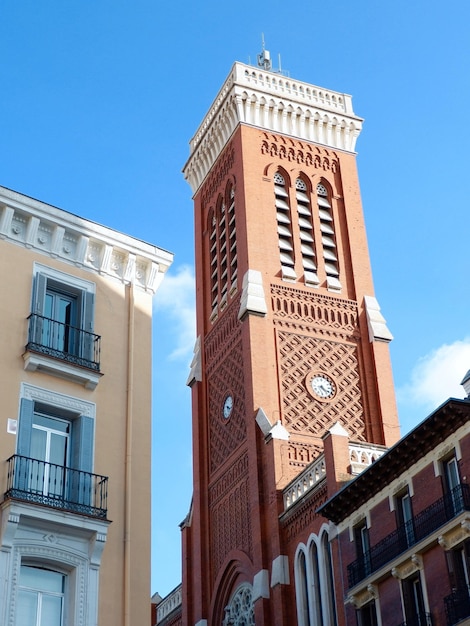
<point x="290" y="335"/>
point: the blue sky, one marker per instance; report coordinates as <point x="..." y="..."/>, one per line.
<point x="100" y="98"/>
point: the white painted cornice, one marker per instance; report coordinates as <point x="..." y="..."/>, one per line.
<point x="58" y="234"/>
<point x="272" y="102"/>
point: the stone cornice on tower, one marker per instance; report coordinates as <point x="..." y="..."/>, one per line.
<point x="58" y="234"/>
<point x="275" y="103"/>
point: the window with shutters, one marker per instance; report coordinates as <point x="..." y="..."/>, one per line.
<point x="222" y="252"/>
<point x="61" y="325"/>
<point x="53" y="463"/>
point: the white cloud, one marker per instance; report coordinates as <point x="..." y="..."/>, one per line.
<point x="437" y="376"/>
<point x="175" y="298"/>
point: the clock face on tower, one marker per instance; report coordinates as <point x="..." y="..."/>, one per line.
<point x="227" y="407"/>
<point x="322" y="386"/>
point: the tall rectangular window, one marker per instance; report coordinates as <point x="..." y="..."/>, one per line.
<point x="61" y="319"/>
<point x="361" y="538"/>
<point x="405" y="518"/>
<point x="452" y="486"/>
<point x="413" y="601"/>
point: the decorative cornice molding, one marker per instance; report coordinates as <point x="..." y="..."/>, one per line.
<point x="271" y="102"/>
<point x="80" y="242"/>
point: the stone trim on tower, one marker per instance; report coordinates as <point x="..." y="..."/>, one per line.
<point x="272" y="102"/>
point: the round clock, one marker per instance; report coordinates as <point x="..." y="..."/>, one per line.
<point x="227" y="407"/>
<point x="322" y="386"/>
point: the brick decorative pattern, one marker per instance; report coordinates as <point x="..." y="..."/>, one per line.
<point x="319" y="334"/>
<point x="299" y="152"/>
<point x="300" y="310"/>
<point x="224" y="367"/>
<point x="302" y="414"/>
<point x="230" y="513"/>
<point x="218" y="175"/>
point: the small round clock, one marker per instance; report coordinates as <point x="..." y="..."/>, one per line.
<point x="227" y="407"/>
<point x="322" y="386"/>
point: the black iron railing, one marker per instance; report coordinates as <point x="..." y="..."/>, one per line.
<point x="422" y="525"/>
<point x="64" y="342"/>
<point x="457" y="605"/>
<point x="420" y="619"/>
<point x="56" y="486"/>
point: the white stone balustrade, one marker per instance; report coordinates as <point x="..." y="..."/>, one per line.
<point x="307" y="480"/>
<point x="361" y="455"/>
<point x="172" y="601"/>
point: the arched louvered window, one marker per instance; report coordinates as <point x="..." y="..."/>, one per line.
<point x="328" y="239"/>
<point x="284" y="228"/>
<point x="307" y="238"/>
<point x="214" y="266"/>
<point x="232" y="239"/>
<point x="222" y="253"/>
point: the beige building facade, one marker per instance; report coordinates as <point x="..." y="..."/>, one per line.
<point x="75" y="372"/>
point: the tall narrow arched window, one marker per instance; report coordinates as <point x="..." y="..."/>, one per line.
<point x="329" y="589"/>
<point x="214" y="266"/>
<point x="232" y="239"/>
<point x="307" y="239"/>
<point x="284" y="227"/>
<point x="301" y="590"/>
<point x="316" y="597"/>
<point x="328" y="239"/>
<point x="223" y="253"/>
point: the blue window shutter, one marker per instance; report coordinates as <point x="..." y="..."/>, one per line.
<point x="81" y="457"/>
<point x="88" y="311"/>
<point x="39" y="294"/>
<point x="23" y="442"/>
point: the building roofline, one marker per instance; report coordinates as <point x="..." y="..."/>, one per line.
<point x="445" y="420"/>
<point x="60" y="234"/>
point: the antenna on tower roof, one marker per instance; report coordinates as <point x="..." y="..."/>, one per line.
<point x="264" y="59"/>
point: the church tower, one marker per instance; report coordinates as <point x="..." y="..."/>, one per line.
<point x="291" y="340"/>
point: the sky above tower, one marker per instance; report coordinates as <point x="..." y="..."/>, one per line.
<point x="100" y="99"/>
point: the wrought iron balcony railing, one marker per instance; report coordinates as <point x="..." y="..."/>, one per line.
<point x="457" y="605"/>
<point x="56" y="486"/>
<point x="418" y="528"/>
<point x="64" y="342"/>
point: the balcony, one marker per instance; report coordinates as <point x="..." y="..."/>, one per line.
<point x="63" y="350"/>
<point x="56" y="486"/>
<point x="457" y="605"/>
<point x="418" y="528"/>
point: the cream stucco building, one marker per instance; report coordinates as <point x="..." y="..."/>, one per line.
<point x="75" y="372"/>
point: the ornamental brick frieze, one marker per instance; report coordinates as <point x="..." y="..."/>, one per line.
<point x="223" y="336"/>
<point x="299" y="454"/>
<point x="303" y="515"/>
<point x="225" y="435"/>
<point x="303" y="414"/>
<point x="299" y="309"/>
<point x="218" y="176"/>
<point x="230" y="524"/>
<point x="299" y="152"/>
<point x="235" y="472"/>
